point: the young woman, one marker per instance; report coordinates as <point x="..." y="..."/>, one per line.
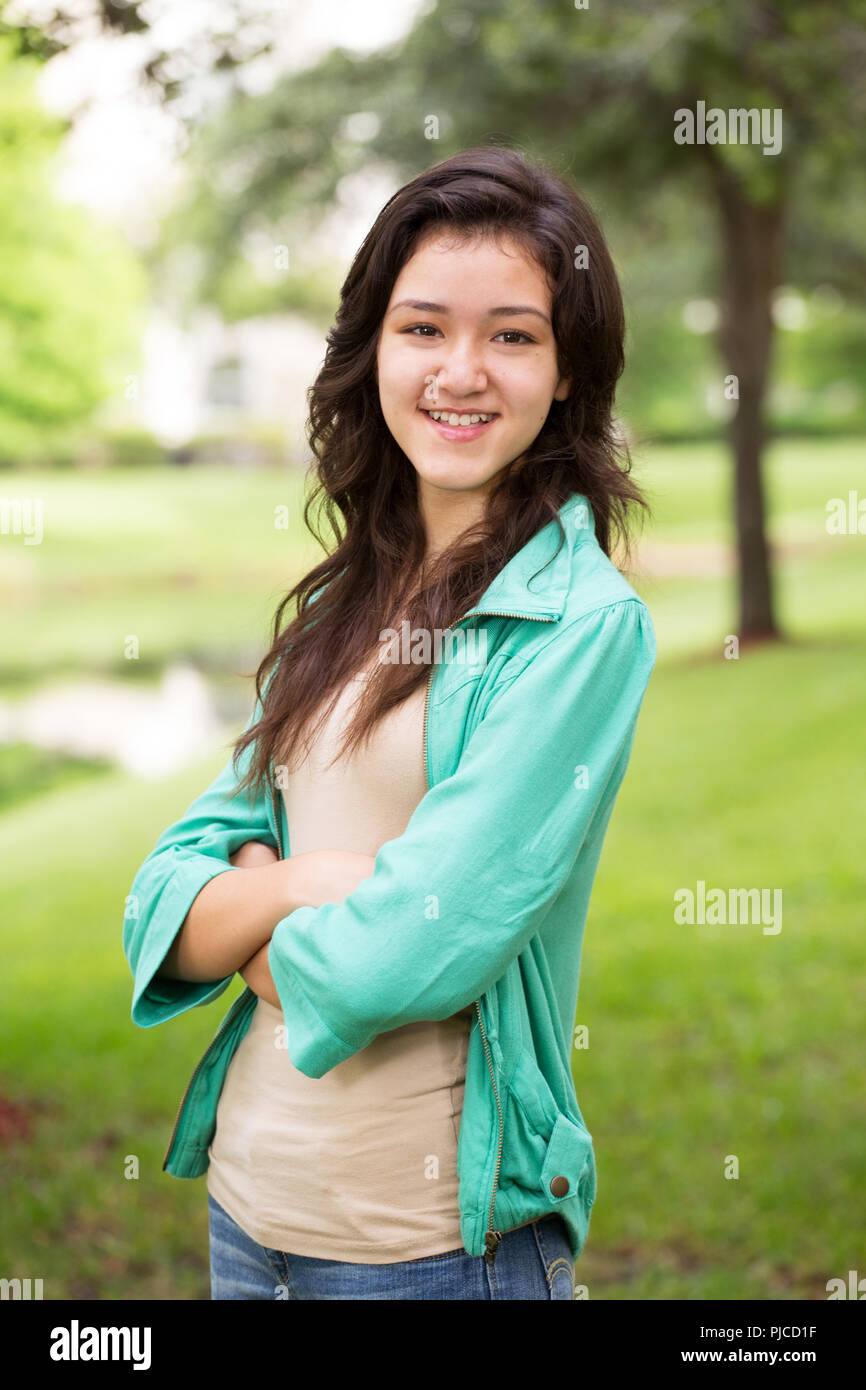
<point x="418" y="804"/>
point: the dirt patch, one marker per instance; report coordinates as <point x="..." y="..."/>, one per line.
<point x="15" y="1121"/>
<point x="661" y="560"/>
<point x="623" y="1264"/>
<point x="652" y="559"/>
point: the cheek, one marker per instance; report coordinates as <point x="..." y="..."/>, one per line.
<point x="389" y="392"/>
<point x="530" y="384"/>
<point x="399" y="381"/>
<point x="539" y="399"/>
<point x="530" y="405"/>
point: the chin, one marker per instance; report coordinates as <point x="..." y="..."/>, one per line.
<point x="454" y="479"/>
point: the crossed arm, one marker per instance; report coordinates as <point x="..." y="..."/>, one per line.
<point x="256" y="972"/>
<point x="230" y="923"/>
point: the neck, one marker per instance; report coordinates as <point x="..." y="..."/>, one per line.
<point x="447" y="515"/>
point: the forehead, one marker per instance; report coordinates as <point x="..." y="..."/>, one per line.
<point x="473" y="264"/>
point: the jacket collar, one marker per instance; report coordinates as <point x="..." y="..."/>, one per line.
<point x="515" y="592"/>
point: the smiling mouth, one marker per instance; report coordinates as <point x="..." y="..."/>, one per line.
<point x="452" y="424"/>
<point x="461" y="417"/>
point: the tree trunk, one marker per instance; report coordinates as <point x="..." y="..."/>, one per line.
<point x="752" y="241"/>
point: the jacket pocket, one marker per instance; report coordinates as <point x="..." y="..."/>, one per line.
<point x="550" y="1159"/>
<point x="569" y="1169"/>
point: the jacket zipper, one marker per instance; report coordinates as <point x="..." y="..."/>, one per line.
<point x="277" y="820"/>
<point x="492" y="1238"/>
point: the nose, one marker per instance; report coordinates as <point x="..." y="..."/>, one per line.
<point x="461" y="373"/>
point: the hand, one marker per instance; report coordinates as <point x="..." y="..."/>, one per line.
<point x="253" y="855"/>
<point x="327" y="875"/>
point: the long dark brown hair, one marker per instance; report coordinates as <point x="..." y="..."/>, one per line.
<point x="366" y="487"/>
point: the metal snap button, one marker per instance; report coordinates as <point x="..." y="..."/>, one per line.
<point x="559" y="1186"/>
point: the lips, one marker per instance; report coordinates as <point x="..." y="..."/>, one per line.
<point x="441" y="410"/>
<point x="460" y="433"/>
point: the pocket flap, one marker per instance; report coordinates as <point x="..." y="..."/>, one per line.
<point x="569" y="1166"/>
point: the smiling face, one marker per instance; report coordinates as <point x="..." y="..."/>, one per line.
<point x="467" y="332"/>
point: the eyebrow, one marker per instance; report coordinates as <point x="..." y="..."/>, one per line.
<point x="426" y="306"/>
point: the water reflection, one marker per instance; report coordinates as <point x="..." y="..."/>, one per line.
<point x="149" y="733"/>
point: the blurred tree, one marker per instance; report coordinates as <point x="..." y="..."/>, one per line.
<point x="68" y="287"/>
<point x="611" y="83"/>
<point x="605" y="82"/>
<point x="234" y="32"/>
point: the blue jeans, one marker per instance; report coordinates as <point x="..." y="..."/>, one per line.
<point x="533" y="1261"/>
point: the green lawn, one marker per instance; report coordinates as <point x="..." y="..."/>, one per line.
<point x="704" y="1042"/>
<point x="192" y="563"/>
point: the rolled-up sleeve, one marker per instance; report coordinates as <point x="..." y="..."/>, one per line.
<point x="186" y="856"/>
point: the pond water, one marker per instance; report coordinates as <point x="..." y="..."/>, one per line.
<point x="148" y="732"/>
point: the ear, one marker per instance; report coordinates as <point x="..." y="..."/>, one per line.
<point x="563" y="389"/>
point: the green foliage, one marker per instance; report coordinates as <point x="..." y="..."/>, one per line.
<point x="673" y="383"/>
<point x="130" y="447"/>
<point x="593" y="92"/>
<point x="69" y="288"/>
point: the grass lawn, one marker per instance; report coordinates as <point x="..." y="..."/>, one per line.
<point x="706" y="1044"/>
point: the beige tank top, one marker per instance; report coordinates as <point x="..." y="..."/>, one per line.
<point x="361" y="1163"/>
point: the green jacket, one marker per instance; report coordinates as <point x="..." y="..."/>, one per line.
<point x="482" y="899"/>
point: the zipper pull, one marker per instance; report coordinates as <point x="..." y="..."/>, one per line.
<point x="491" y="1240"/>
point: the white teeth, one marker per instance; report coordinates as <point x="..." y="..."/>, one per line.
<point x="449" y="418"/>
